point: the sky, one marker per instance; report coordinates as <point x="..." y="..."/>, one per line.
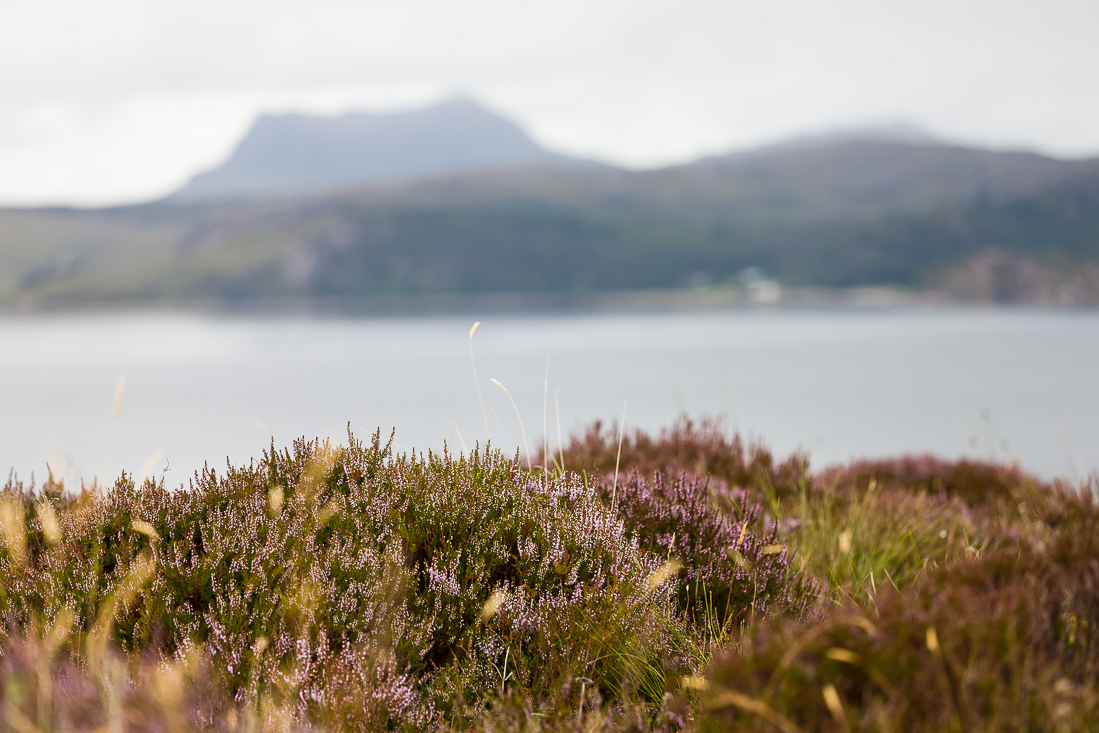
<point x="118" y="101"/>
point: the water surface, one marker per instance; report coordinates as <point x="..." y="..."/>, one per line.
<point x="1010" y="385"/>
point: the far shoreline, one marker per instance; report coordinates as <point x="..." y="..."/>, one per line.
<point x="684" y="300"/>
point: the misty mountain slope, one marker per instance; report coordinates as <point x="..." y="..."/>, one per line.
<point x="563" y="231"/>
<point x="294" y="154"/>
<point x="845" y="214"/>
<point x="845" y="181"/>
<point x="856" y="179"/>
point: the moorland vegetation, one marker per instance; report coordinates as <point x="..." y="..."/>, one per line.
<point x="682" y="581"/>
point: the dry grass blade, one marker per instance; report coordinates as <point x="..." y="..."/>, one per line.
<point x="526" y="448"/>
<point x="545" y="429"/>
<point x="804" y="640"/>
<point x="726" y="698"/>
<point x="835" y="706"/>
<point x="618" y="457"/>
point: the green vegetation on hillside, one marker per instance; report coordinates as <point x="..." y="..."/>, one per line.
<point x="705" y="586"/>
<point x="850" y="214"/>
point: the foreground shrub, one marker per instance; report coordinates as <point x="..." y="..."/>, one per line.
<point x="977" y="483"/>
<point x="730" y="572"/>
<point x="353" y="587"/>
<point x="702" y="447"/>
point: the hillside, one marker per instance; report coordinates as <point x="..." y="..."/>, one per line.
<point x="1001" y="226"/>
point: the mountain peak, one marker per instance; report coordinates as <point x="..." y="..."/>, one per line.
<point x="296" y="153"/>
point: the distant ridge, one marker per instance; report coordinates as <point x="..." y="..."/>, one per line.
<point x="291" y="154"/>
<point x="899" y="133"/>
<point x="846" y="211"/>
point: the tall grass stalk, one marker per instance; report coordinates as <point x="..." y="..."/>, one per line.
<point x="454" y="430"/>
<point x="526" y="448"/>
<point x="545" y="431"/>
<point x="476" y="381"/>
<point x="560" y="444"/>
<point x="618" y="456"/>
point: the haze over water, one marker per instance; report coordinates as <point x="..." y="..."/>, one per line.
<point x="1009" y="385"/>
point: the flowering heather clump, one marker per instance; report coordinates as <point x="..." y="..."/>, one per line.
<point x="350" y="586"/>
<point x="730" y="570"/>
<point x="702" y="447"/>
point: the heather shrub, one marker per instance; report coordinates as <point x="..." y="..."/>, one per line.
<point x="977" y="483"/>
<point x="353" y="587"/>
<point x="702" y="447"/>
<point x="731" y="571"/>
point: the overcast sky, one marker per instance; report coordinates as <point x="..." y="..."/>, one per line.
<point x="115" y="101"/>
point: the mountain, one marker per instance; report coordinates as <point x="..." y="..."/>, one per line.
<point x="851" y="177"/>
<point x="294" y="154"/>
<point x="993" y="226"/>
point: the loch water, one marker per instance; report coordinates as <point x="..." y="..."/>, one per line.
<point x="1007" y="385"/>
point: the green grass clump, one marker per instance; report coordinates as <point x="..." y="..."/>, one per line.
<point x="865" y="543"/>
<point x="1005" y="641"/>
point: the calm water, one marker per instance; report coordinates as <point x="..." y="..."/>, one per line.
<point x="1005" y="384"/>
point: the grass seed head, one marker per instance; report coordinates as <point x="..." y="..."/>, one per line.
<point x="11" y="525"/>
<point x="47" y="518"/>
<point x="119" y="393"/>
<point x="146" y="529"/>
<point x="663" y="574"/>
<point x="932" y="640"/>
<point x="695" y="682"/>
<point x="844" y="542"/>
<point x="275" y="499"/>
<point x="492" y="605"/>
